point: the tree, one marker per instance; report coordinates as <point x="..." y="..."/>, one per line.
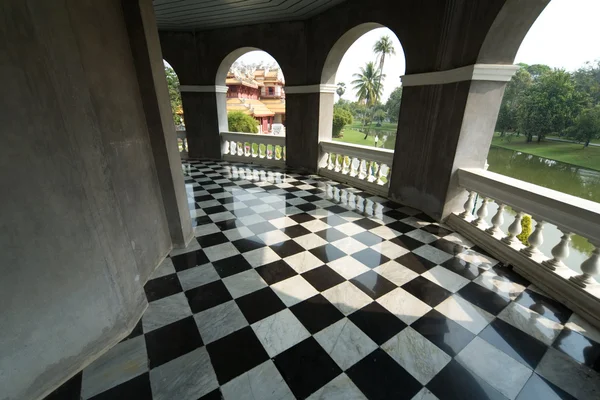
<point x="587" y="126"/>
<point x="240" y="122"/>
<point x="341" y="89"/>
<point x="368" y="84"/>
<point x="511" y="102"/>
<point x="379" y="116"/>
<point x="550" y="105"/>
<point x="174" y="95"/>
<point x="587" y="80"/>
<point x="392" y="106"/>
<point x="341" y="118"/>
<point x="383" y="47"/>
<point x="537" y="70"/>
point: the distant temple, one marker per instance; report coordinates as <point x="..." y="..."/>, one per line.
<point x="259" y="93"/>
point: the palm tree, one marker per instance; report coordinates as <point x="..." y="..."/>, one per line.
<point x="368" y="84"/>
<point x="341" y="89"/>
<point x="382" y="47"/>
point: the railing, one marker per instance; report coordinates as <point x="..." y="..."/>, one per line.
<point x="571" y="215"/>
<point x="182" y="142"/>
<point x="362" y="166"/>
<point x="253" y="148"/>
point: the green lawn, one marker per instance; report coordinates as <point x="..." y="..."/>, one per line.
<point x="353" y="136"/>
<point x="386" y="126"/>
<point x="566" y="152"/>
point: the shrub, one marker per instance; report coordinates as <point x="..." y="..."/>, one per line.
<point x="240" y="122"/>
<point x="341" y="118"/>
<point x="525" y="230"/>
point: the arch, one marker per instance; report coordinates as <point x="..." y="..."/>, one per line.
<point x="228" y="60"/>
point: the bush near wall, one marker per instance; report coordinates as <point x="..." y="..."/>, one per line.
<point x="240" y="122"/>
<point x="525" y="230"/>
<point x="341" y="118"/>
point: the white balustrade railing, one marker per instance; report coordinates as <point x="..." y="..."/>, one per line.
<point x="570" y="214"/>
<point x="362" y="166"/>
<point x="253" y="148"/>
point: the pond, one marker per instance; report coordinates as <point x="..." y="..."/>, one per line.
<point x="567" y="178"/>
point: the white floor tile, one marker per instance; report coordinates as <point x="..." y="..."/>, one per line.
<point x="345" y="343"/>
<point x="303" y="261"/>
<point x="465" y="314"/>
<point x="279" y="332"/>
<point x="445" y="278"/>
<point x="244" y="283"/>
<point x="396" y="273"/>
<point x="262" y="256"/>
<point x="310" y="241"/>
<point x="294" y="290"/>
<point x="197" y="276"/>
<point x="164" y="311"/>
<point x="347" y="297"/>
<point x="221" y="251"/>
<point x="349" y="245"/>
<point x="219" y="321"/>
<point x="432" y="254"/>
<point x="348" y="267"/>
<point x="261" y="382"/>
<point x="531" y="323"/>
<point x="340" y="388"/>
<point x="404" y="305"/>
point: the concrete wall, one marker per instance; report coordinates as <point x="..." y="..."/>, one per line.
<point x="82" y="221"/>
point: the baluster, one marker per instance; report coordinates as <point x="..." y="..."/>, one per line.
<point x="354" y="165"/>
<point x="589" y="269"/>
<point x="352" y="201"/>
<point x="330" y="191"/>
<point x="559" y="252"/>
<point x="514" y="230"/>
<point x="481" y="214"/>
<point x="535" y="239"/>
<point x="469" y="204"/>
<point x="336" y="195"/>
<point x="344" y="196"/>
<point x="497" y="221"/>
<point x="360" y="203"/>
<point x="362" y="170"/>
<point x="369" y="208"/>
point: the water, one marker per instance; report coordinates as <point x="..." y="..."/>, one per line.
<point x="577" y="181"/>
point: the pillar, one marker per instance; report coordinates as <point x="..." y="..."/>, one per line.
<point x="148" y="60"/>
<point x="205" y="110"/>
<point x="446" y="122"/>
<point x="309" y="112"/>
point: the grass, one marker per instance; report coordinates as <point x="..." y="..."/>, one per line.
<point x="386" y="126"/>
<point x="350" y="135"/>
<point x="566" y="152"/>
<point x="596" y="141"/>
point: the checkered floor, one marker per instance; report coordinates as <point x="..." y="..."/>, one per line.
<point x="300" y="287"/>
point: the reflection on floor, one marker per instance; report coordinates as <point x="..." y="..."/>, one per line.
<point x="300" y="287"/>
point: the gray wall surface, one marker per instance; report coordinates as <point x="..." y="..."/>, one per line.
<point x="82" y="223"/>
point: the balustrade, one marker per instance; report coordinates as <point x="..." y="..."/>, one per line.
<point x="253" y="148"/>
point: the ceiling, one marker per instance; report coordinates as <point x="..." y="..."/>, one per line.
<point x="210" y="14"/>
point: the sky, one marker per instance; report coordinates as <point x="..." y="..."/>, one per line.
<point x="566" y="35"/>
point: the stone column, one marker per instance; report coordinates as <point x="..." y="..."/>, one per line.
<point x="145" y="46"/>
<point x="447" y="121"/>
<point x="205" y="113"/>
<point x="309" y="117"/>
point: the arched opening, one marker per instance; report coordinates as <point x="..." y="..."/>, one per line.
<point x="548" y="127"/>
<point x="255" y="96"/>
<point x="176" y="107"/>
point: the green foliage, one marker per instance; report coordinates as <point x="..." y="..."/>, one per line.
<point x="367" y="84"/>
<point x="383" y="47"/>
<point x="379" y="116"/>
<point x="174" y="95"/>
<point x="392" y="106"/>
<point x="512" y="100"/>
<point x="525" y="230"/>
<point x="341" y="89"/>
<point x="587" y="126"/>
<point x="341" y="118"/>
<point x="240" y="122"/>
<point x="587" y="80"/>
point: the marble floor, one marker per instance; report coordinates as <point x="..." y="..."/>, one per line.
<point x="300" y="287"/>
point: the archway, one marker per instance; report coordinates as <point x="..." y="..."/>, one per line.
<point x="176" y="108"/>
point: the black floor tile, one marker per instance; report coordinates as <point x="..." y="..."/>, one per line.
<point x="366" y="223"/>
<point x="334" y="220"/>
<point x="401" y="227"/>
<point x="228" y="224"/>
<point x="443" y="332"/>
<point x="407" y="242"/>
<point x="427" y="291"/>
<point x="295" y="231"/>
<point x="137" y="331"/>
<point x="323" y="278"/>
<point x="203" y="220"/>
<point x="545" y="306"/>
<point x="306" y="367"/>
<point x="437" y="230"/>
<point x="511" y="275"/>
<point x="580" y="348"/>
<point x="162" y="287"/>
<point x="483" y="298"/>
<point x="397" y="215"/>
<point x="316" y="313"/>
<point x="415" y="262"/>
<point x="378" y="376"/>
<point x="248" y="244"/>
<point x="207" y="296"/>
<point x="302" y="218"/>
<point x="206" y="197"/>
<point x="373" y="284"/>
<point x="70" y="390"/>
<point x="368" y="238"/>
<point x="172" y="341"/>
<point x="231" y="266"/>
<point x="215" y="209"/>
<point x="370" y="258"/>
<point x="242" y="212"/>
<point x="331" y="235"/>
<point x="448" y="246"/>
<point x="259" y="304"/>
<point x="275" y="272"/>
<point x="455" y="382"/>
<point x="306" y="206"/>
<point x="537" y="388"/>
<point x="212" y="240"/>
<point x="337" y="209"/>
<point x="462" y="268"/>
<point x="514" y="342"/>
<point x="235" y="354"/>
<point x="226" y="200"/>
<point x="287" y="248"/>
<point x="137" y="388"/>
<point x="261" y="227"/>
<point x="327" y="253"/>
<point x="189" y="260"/>
<point x="377" y="322"/>
<point x="425" y="217"/>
